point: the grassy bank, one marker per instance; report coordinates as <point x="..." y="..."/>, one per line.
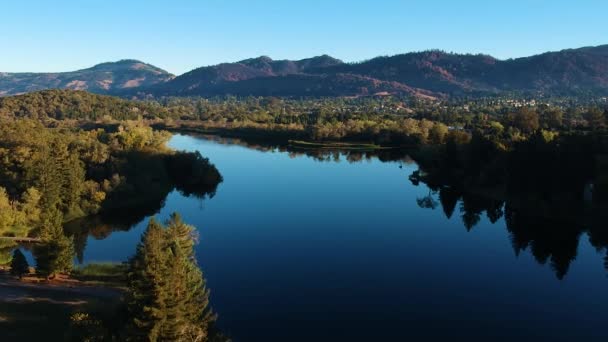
<point x="101" y="273"/>
<point x="335" y="145"/>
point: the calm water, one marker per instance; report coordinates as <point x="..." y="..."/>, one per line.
<point x="295" y="249"/>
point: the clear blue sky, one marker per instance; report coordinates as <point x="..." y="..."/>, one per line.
<point x="176" y="35"/>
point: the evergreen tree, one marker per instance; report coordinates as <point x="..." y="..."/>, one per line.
<point x="182" y="234"/>
<point x="73" y="183"/>
<point x="168" y="298"/>
<point x="146" y="284"/>
<point x="19" y="265"/>
<point x="44" y="173"/>
<point x="56" y="253"/>
<point x="189" y="293"/>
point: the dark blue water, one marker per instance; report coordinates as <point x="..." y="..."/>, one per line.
<point x="294" y="249"/>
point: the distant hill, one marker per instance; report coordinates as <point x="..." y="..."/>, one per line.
<point x="566" y="71"/>
<point x="428" y="74"/>
<point x="225" y="78"/>
<point x="105" y="78"/>
<point x="435" y="71"/>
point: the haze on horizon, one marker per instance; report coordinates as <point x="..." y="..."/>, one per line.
<point x="41" y="36"/>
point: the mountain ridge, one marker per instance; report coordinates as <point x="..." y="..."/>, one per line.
<point x="430" y="73"/>
<point x="102" y="78"/>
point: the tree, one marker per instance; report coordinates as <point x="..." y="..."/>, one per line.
<point x="19" y="265"/>
<point x="30" y="205"/>
<point x="6" y="212"/>
<point x="145" y="278"/>
<point x="595" y="118"/>
<point x="56" y="252"/>
<point x="44" y="173"/>
<point x="168" y="299"/>
<point x="526" y="120"/>
<point x="553" y="118"/>
<point x="437" y="133"/>
<point x="73" y="184"/>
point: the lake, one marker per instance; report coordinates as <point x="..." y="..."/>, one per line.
<point x="295" y="248"/>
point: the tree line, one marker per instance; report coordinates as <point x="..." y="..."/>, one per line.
<point x="387" y="120"/>
<point x="52" y="175"/>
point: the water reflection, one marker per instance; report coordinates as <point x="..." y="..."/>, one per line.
<point x="539" y="217"/>
<point x="321" y="155"/>
<point x="550" y="240"/>
<point x="189" y="173"/>
<point x="326" y="238"/>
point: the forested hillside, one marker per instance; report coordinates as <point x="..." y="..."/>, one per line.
<point x="72" y="104"/>
<point x="52" y="175"/>
<point x="434" y="73"/>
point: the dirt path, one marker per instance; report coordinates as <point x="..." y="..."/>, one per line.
<point x="40" y="311"/>
<point x="13" y="290"/>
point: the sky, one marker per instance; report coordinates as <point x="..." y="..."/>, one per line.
<point x="180" y="35"/>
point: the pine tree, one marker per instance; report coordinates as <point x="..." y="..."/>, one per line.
<point x="182" y="234"/>
<point x="44" y="172"/>
<point x="56" y="253"/>
<point x="146" y="284"/>
<point x="19" y="265"/>
<point x="168" y="297"/>
<point x="73" y="174"/>
<point x="189" y="294"/>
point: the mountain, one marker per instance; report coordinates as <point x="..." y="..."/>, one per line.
<point x="563" y="72"/>
<point x="435" y="71"/>
<point x="223" y="78"/>
<point x="323" y="85"/>
<point x="426" y="74"/>
<point x="584" y="69"/>
<point x="105" y="78"/>
<point x="264" y="76"/>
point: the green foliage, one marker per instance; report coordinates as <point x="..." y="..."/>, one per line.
<point x="19" y="265"/>
<point x="437" y="133"/>
<point x="552" y="118"/>
<point x="79" y="173"/>
<point x="6" y="251"/>
<point x="525" y="119"/>
<point x="15" y="217"/>
<point x="595" y="118"/>
<point x="168" y="300"/>
<point x="383" y="120"/>
<point x="71" y="104"/>
<point x="548" y="136"/>
<point x="100" y="270"/>
<point x="86" y="328"/>
<point x="56" y="253"/>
